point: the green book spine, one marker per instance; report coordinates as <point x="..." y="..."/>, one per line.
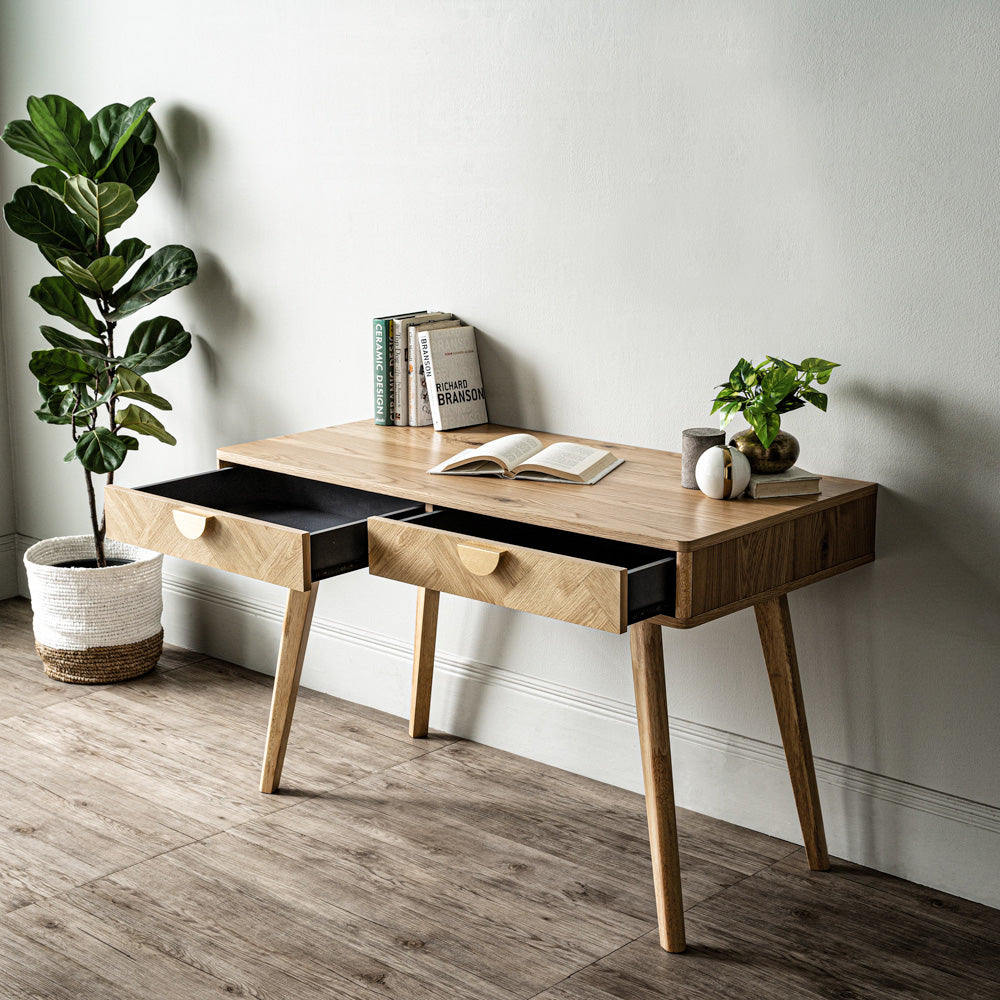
<point x="382" y="345"/>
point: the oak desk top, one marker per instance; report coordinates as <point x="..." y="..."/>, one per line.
<point x="642" y="501"/>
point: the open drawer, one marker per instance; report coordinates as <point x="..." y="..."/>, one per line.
<point x="559" y="574"/>
<point x="273" y="527"/>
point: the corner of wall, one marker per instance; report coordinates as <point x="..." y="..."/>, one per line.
<point x="10" y="586"/>
<point x="8" y="566"/>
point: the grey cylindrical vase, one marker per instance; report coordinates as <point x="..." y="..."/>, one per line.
<point x="695" y="441"/>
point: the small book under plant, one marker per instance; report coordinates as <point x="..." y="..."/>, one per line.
<point x="523" y="456"/>
<point x="792" y="483"/>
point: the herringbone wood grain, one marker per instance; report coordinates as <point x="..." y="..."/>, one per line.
<point x="556" y="586"/>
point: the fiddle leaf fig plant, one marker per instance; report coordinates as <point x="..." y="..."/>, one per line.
<point x="763" y="392"/>
<point x="94" y="171"/>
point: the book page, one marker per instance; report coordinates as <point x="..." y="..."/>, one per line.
<point x="585" y="480"/>
<point x="569" y="458"/>
<point x="505" y="452"/>
<point x="512" y="450"/>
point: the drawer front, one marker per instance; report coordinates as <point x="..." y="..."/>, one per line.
<point x="273" y="553"/>
<point x="525" y="579"/>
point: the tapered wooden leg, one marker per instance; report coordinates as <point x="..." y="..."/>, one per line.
<point x="294" y="635"/>
<point x="424" y="641"/>
<point x="654" y="742"/>
<point x="775" y="626"/>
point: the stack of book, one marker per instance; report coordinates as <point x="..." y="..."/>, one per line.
<point x="793" y="483"/>
<point x="426" y="370"/>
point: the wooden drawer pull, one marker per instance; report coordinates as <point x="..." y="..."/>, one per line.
<point x="482" y="562"/>
<point x="192" y="523"/>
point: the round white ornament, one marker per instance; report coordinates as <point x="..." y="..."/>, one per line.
<point x="722" y="473"/>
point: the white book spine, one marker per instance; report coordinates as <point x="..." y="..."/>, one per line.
<point x="420" y="409"/>
<point x="425" y="355"/>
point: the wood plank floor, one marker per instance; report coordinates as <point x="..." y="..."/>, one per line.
<point x="137" y="859"/>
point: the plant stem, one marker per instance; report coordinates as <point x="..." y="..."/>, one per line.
<point x="98" y="529"/>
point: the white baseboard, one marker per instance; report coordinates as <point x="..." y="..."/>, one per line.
<point x="8" y="566"/>
<point x="927" y="836"/>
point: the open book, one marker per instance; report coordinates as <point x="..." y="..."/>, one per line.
<point x="521" y="456"/>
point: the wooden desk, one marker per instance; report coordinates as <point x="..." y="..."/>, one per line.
<point x="725" y="556"/>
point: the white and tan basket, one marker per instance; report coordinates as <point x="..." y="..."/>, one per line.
<point x="94" y="626"/>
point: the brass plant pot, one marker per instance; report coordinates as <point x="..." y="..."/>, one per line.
<point x="779" y="457"/>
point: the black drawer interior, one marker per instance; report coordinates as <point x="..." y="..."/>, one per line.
<point x="652" y="573"/>
<point x="335" y="516"/>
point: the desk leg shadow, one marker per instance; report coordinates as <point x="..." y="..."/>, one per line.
<point x="654" y="738"/>
<point x="291" y="655"/>
<point x="775" y="626"/>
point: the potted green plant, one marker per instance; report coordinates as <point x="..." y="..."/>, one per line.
<point x="96" y="602"/>
<point x="762" y="393"/>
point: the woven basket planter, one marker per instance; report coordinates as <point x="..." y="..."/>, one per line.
<point x="94" y="626"/>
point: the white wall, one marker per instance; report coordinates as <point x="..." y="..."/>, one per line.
<point x="624" y="198"/>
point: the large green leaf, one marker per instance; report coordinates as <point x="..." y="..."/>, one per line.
<point x="120" y="130"/>
<point x="24" y="138"/>
<point x="103" y="207"/>
<point x="60" y="367"/>
<point x="41" y="218"/>
<point x="87" y="348"/>
<point x="169" y="268"/>
<point x="105" y="121"/>
<point x="135" y="386"/>
<point x="59" y="297"/>
<point x="51" y="179"/>
<point x="156" y="344"/>
<point x="135" y="418"/>
<point x="100" y="451"/>
<point x="135" y="166"/>
<point x="65" y="129"/>
<point x="97" y="278"/>
<point x="130" y="251"/>
<point x="108" y="271"/>
<point x="79" y="276"/>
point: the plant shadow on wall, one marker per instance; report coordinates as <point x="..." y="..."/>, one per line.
<point x="937" y="503"/>
<point x="220" y="310"/>
<point x="930" y="604"/>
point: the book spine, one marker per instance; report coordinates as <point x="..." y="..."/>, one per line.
<point x="420" y="409"/>
<point x="382" y="372"/>
<point x="412" y="367"/>
<point x="400" y="406"/>
<point x="425" y="356"/>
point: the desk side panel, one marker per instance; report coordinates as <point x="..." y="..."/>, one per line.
<point x="737" y="573"/>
